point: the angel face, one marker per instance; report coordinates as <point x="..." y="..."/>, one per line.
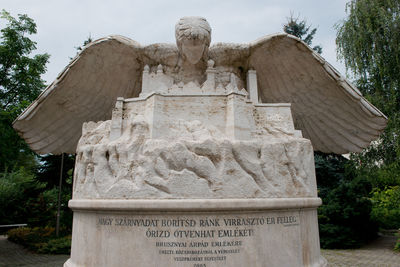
<point x="193" y="50"/>
<point x="193" y="36"/>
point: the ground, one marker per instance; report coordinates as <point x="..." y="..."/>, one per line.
<point x="378" y="253"/>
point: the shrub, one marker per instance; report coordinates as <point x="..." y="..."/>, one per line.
<point x="344" y="217"/>
<point x="41" y="239"/>
<point x="386" y="207"/>
<point x="26" y="200"/>
<point x="61" y="245"/>
<point x="397" y="245"/>
<point x="17" y="189"/>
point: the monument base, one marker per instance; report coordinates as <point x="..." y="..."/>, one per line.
<point x="196" y="232"/>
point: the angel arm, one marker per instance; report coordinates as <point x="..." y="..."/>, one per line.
<point x="85" y="91"/>
<point x="326" y="107"/>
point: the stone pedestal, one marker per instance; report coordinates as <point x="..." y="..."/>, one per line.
<point x="206" y="166"/>
<point x="194" y="176"/>
<point x="196" y="232"/>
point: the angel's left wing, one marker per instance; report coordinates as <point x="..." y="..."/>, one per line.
<point x="326" y="107"/>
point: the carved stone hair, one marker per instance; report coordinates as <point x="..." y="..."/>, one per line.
<point x="192" y="28"/>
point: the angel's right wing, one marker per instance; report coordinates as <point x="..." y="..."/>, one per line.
<point x="85" y="91"/>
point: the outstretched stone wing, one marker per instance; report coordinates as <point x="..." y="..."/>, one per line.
<point x="326" y="107"/>
<point x="85" y="91"/>
<point x="330" y="111"/>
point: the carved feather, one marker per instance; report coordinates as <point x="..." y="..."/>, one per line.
<point x="329" y="110"/>
<point x="85" y="91"/>
<point x="326" y="107"/>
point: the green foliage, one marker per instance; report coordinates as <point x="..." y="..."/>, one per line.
<point x="49" y="170"/>
<point x="301" y="30"/>
<point x="344" y="218"/>
<point x="27" y="182"/>
<point x="20" y="81"/>
<point x="51" y="198"/>
<point x="26" y="200"/>
<point x="86" y="42"/>
<point x="18" y="190"/>
<point x="44" y="209"/>
<point x="20" y="84"/>
<point x="386" y="207"/>
<point x="27" y="235"/>
<point x="369" y="43"/>
<point x="61" y="245"/>
<point x="397" y="245"/>
<point x="41" y="239"/>
<point x="14" y="152"/>
<point x="382" y="176"/>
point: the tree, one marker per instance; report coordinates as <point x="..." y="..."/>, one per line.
<point x="27" y="181"/>
<point x="18" y="191"/>
<point x="344" y="218"/>
<point x="20" y="84"/>
<point x="80" y="48"/>
<point x="86" y="42"/>
<point x="20" y="75"/>
<point x="300" y="29"/>
<point x="368" y="41"/>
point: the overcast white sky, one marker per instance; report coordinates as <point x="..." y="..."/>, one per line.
<point x="64" y="24"/>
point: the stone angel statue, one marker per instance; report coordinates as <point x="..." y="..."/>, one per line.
<point x="276" y="68"/>
<point x="197" y="131"/>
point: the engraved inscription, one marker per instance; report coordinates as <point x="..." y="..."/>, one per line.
<point x="198" y="240"/>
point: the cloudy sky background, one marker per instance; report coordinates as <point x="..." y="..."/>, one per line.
<point x="63" y="25"/>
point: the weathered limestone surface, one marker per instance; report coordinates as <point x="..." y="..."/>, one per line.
<point x="197" y="162"/>
<point x="189" y="140"/>
<point x="325" y="106"/>
<point x="191" y="155"/>
<point x="252" y="232"/>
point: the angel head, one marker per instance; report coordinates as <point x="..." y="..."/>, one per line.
<point x="193" y="37"/>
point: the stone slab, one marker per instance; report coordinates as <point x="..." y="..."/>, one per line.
<point x="237" y="232"/>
